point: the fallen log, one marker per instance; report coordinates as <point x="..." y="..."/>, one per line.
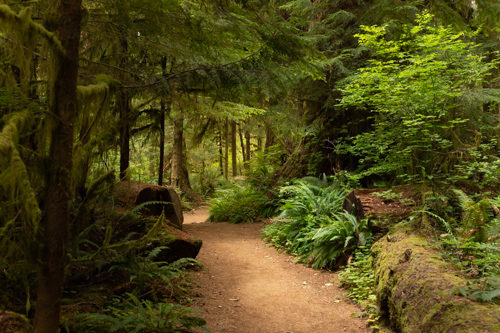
<point x="413" y="286"/>
<point x="130" y="193"/>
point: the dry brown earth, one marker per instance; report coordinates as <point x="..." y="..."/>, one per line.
<point x="248" y="287"/>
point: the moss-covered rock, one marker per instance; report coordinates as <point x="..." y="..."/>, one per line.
<point x="413" y="285"/>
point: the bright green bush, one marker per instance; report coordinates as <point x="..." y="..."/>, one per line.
<point x="239" y="204"/>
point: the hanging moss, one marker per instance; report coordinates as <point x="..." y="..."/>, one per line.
<point x="25" y="35"/>
<point x="92" y="105"/>
<point x="20" y="214"/>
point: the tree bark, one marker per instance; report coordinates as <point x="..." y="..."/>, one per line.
<point x="162" y="142"/>
<point x="124" y="136"/>
<point x="226" y="155"/>
<point x="56" y="222"/>
<point x="163" y="109"/>
<point x="234" y="155"/>
<point x="269" y="138"/>
<point x="247" y="142"/>
<point x="221" y="155"/>
<point x="176" y="176"/>
<point x="124" y="117"/>
<point x="242" y="143"/>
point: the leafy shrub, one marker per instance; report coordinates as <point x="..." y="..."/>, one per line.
<point x="421" y="87"/>
<point x="239" y="204"/>
<point x="359" y="278"/>
<point x="313" y="226"/>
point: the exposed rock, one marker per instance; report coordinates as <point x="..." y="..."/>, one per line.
<point x="128" y="193"/>
<point x="413" y="285"/>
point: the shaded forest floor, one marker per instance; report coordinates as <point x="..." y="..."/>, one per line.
<point x="247" y="287"/>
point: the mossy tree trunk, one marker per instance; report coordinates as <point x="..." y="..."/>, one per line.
<point x="56" y="222"/>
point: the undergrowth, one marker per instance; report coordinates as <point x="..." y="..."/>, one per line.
<point x="313" y="226"/>
<point x="359" y="278"/>
<point x="131" y="314"/>
<point x="238" y="204"/>
<point x="471" y="242"/>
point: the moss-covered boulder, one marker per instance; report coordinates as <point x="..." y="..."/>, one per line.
<point x="179" y="244"/>
<point x="413" y="285"/>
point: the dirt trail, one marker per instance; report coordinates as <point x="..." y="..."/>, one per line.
<point x="247" y="287"/>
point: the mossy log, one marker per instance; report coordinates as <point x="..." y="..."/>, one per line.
<point x="129" y="193"/>
<point x="413" y="285"/>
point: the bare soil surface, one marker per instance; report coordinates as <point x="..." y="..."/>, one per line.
<point x="248" y="287"/>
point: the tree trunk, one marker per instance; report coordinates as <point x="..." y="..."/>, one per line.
<point x="247" y="142"/>
<point x="124" y="135"/>
<point x="185" y="184"/>
<point x="259" y="140"/>
<point x="56" y="223"/>
<point x="269" y="138"/>
<point x="163" y="109"/>
<point x="162" y="142"/>
<point x="234" y="156"/>
<point x="242" y="143"/>
<point x="176" y="176"/>
<point x="226" y="155"/>
<point x="124" y="117"/>
<point x="221" y="156"/>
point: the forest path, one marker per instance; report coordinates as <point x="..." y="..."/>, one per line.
<point x="248" y="287"/>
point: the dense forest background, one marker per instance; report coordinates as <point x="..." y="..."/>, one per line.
<point x="198" y="95"/>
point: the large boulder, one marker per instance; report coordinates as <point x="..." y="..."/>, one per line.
<point x="130" y="193"/>
<point x="414" y="284"/>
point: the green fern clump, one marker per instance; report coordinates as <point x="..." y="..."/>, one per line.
<point x="334" y="243"/>
<point x="473" y="247"/>
<point x="135" y="315"/>
<point x="313" y="225"/>
<point x="240" y="204"/>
